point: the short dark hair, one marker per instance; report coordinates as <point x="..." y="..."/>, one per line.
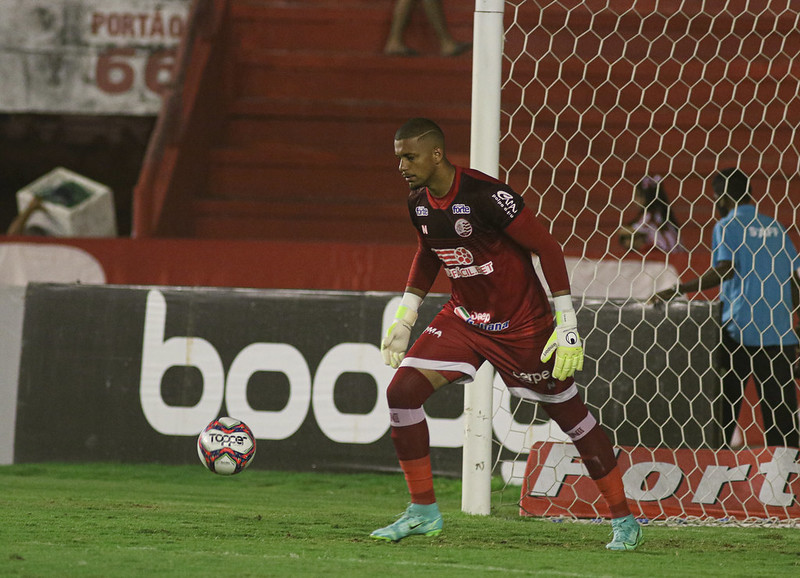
<point x="417" y="127"/>
<point x="731" y="182"/>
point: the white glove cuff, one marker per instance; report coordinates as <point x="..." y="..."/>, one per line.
<point x="563" y="303"/>
<point x="407" y="311"/>
<point x="411" y="301"/>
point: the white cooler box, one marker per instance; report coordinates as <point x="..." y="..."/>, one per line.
<point x="74" y="206"/>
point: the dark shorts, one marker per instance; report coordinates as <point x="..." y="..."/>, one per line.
<point x="450" y="344"/>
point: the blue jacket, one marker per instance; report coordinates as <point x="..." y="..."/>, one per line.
<point x="757" y="300"/>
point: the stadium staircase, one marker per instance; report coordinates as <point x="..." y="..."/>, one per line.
<point x="280" y="123"/>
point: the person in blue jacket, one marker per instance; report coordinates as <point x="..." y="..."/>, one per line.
<point x="756" y="264"/>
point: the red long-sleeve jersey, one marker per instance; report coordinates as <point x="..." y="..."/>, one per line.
<point x="482" y="234"/>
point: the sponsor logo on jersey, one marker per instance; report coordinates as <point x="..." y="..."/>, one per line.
<point x="463" y="228"/>
<point x="471" y="271"/>
<point x="473" y="317"/>
<point x="506" y="202"/>
<point x="461" y="209"/>
<point x="433" y="331"/>
<point x="480" y="320"/>
<point x="424" y="229"/>
<point x="533" y="378"/>
<point x="422" y="211"/>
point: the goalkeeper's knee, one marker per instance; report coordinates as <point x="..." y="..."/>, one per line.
<point x="408" y="389"/>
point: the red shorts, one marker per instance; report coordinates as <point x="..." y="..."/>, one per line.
<point x="450" y="344"/>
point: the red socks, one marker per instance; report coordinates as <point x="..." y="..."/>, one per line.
<point x="613" y="491"/>
<point x="595" y="449"/>
<point x="407" y="392"/>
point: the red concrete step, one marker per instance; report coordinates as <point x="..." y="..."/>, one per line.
<point x="348" y="77"/>
<point x="334" y="180"/>
<point x="349" y="126"/>
<point x="325" y="220"/>
<point x="335" y="26"/>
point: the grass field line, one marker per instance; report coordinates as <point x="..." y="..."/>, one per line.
<point x="472" y="567"/>
<point x="432" y="564"/>
<point x="427" y="564"/>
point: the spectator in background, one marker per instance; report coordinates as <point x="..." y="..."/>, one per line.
<point x="401" y="16"/>
<point x="756" y="263"/>
<point x="655" y="227"/>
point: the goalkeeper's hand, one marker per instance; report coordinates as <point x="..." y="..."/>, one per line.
<point x="395" y="344"/>
<point x="565" y="343"/>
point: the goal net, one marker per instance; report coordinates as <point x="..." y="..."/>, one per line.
<point x="596" y="96"/>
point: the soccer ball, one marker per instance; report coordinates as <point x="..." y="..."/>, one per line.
<point x="226" y="446"/>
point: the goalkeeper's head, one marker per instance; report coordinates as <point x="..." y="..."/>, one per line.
<point x="419" y="144"/>
<point x="421" y="128"/>
<point x="731" y="187"/>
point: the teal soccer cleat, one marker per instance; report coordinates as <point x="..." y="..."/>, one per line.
<point x="418" y="519"/>
<point x="627" y="534"/>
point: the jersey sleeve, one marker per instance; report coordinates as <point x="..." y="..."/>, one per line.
<point x="529" y="232"/>
<point x="501" y="206"/>
<point x="424" y="268"/>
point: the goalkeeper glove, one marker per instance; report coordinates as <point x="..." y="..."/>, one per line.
<point x="565" y="341"/>
<point x="395" y="344"/>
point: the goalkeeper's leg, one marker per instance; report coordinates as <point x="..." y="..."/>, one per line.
<point x="597" y="453"/>
<point x="407" y="392"/>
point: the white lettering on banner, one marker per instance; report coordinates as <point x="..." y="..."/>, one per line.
<point x="714" y="479"/>
<point x="89" y="56"/>
<point x="274" y="357"/>
<point x="348" y="427"/>
<point x="559" y="464"/>
<point x="158" y="355"/>
<point x="777" y="473"/>
<point x="669" y="478"/>
<point x="664" y="482"/>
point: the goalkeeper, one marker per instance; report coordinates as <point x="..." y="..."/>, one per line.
<point x="481" y="233"/>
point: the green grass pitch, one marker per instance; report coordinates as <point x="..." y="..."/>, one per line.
<point x="109" y="520"/>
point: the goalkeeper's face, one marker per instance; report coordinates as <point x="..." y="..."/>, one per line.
<point x="418" y="160"/>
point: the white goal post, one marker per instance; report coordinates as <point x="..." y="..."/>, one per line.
<point x="573" y="104"/>
<point x="487" y="63"/>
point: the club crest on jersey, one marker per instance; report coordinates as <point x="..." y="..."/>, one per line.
<point x="458" y="263"/>
<point x="506" y="202"/>
<point x="422" y="211"/>
<point x="461" y="209"/>
<point x="455" y="257"/>
<point x="463" y="228"/>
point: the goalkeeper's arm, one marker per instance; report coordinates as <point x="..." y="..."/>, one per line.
<point x="565" y="341"/>
<point x="423" y="272"/>
<point x="395" y="343"/>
